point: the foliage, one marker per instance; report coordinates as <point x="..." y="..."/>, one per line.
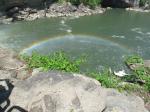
<point x="129" y="87"/>
<point x="142" y="2"/>
<point x="134" y="59"/>
<point x="106" y="78"/>
<point x="60" y="61"/>
<point x="56" y="61"/>
<point x="142" y="73"/>
<point x="91" y="3"/>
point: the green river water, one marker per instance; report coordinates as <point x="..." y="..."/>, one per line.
<point x="104" y="38"/>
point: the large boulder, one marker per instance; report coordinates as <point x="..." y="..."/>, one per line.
<point x="56" y="92"/>
<point x="119" y="102"/>
<point x="59" y="92"/>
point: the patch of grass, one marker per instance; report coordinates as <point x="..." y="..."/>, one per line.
<point x="106" y="78"/>
<point x="91" y="3"/>
<point x="135" y="59"/>
<point x="142" y="2"/>
<point x="140" y="72"/>
<point x="56" y="61"/>
<point x="129" y="87"/>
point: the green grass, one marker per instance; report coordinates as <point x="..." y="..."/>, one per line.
<point x="106" y="78"/>
<point x="91" y="3"/>
<point x="134" y="59"/>
<point x="56" y="61"/>
<point x="62" y="62"/>
<point x="140" y="72"/>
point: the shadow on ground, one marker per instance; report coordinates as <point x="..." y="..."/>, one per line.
<point x="5" y="90"/>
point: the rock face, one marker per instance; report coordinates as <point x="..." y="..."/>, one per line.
<point x="57" y="92"/>
<point x="6" y="4"/>
<point x="120" y="3"/>
<point x="10" y="67"/>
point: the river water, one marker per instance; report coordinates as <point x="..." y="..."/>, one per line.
<point x="106" y="39"/>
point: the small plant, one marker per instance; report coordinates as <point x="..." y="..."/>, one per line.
<point x="106" y="78"/>
<point x="142" y="73"/>
<point x="91" y="3"/>
<point x="134" y="60"/>
<point x="55" y="61"/>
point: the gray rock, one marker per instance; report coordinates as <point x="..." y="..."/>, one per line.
<point x="147" y="63"/>
<point x="10" y="67"/>
<point x="61" y="92"/>
<point x="117" y="102"/>
<point x="8" y="60"/>
<point x="55" y="92"/>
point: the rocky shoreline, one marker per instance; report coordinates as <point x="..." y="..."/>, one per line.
<point x="54" y="10"/>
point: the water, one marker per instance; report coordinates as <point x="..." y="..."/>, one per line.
<point x="104" y="38"/>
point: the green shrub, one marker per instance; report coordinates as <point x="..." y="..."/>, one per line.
<point x="142" y="73"/>
<point x="142" y="2"/>
<point x="60" y="61"/>
<point x="134" y="60"/>
<point x="56" y="61"/>
<point x="106" y="78"/>
<point x="91" y="3"/>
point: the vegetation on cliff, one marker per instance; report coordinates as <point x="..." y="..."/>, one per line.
<point x="91" y="3"/>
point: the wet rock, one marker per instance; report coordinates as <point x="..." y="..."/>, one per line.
<point x="5" y="20"/>
<point x="137" y="10"/>
<point x="22" y="74"/>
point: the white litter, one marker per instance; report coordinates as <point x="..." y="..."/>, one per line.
<point x="69" y="31"/>
<point x="120" y="73"/>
